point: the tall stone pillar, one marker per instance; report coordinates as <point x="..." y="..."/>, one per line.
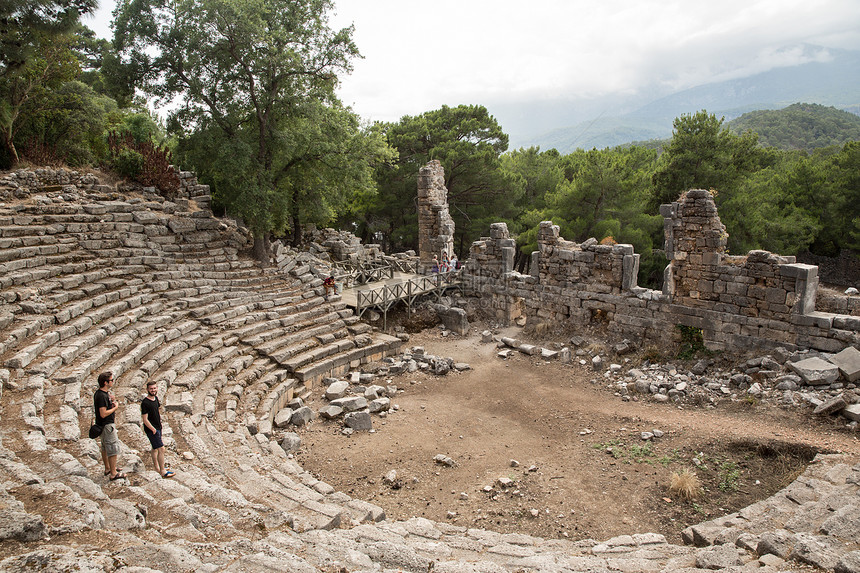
<point x="435" y="225"/>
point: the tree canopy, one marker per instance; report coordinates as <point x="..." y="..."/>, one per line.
<point x="703" y="154"/>
<point x="258" y="78"/>
<point x="468" y="142"/>
<point x="36" y="57"/>
<point x="25" y="25"/>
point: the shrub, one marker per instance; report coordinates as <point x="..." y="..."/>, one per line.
<point x="128" y="163"/>
<point x="692" y="342"/>
<point x="154" y="163"/>
<point x="685" y="484"/>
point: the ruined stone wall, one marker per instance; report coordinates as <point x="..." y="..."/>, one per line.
<point x="435" y="225"/>
<point x="342" y="246"/>
<point x="760" y="300"/>
<point x="190" y="188"/>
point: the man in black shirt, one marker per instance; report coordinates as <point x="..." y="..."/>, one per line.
<point x="151" y="418"/>
<point x="105" y="411"/>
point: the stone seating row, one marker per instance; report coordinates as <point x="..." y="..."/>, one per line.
<point x="114" y="315"/>
<point x="814" y="520"/>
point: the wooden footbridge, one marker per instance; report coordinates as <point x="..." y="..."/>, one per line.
<point x="394" y="286"/>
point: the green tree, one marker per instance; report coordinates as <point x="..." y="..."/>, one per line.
<point x="26" y="24"/>
<point x="26" y="87"/>
<point x="768" y="210"/>
<point x="533" y="176"/>
<point x="606" y="195"/>
<point x="468" y="142"/>
<point x="703" y="154"/>
<point x="68" y="122"/>
<point x="103" y="70"/>
<point x="837" y="204"/>
<point x="256" y="76"/>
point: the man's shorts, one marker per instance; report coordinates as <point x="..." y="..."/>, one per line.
<point x="155" y="439"/>
<point x="110" y="440"/>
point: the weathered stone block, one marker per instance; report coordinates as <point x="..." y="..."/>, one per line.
<point x="848" y="362"/>
<point x="359" y="421"/>
<point x="815" y="371"/>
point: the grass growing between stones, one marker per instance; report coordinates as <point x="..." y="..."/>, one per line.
<point x="730" y="475"/>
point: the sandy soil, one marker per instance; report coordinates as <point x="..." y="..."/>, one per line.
<point x="583" y="470"/>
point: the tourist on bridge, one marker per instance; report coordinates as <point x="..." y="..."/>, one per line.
<point x="446" y="264"/>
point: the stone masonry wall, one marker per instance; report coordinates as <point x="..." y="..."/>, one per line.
<point x="757" y="301"/>
<point x="435" y="225"/>
<point x="342" y="246"/>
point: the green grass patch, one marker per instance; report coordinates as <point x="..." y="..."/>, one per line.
<point x="620" y="450"/>
<point x="729" y="476"/>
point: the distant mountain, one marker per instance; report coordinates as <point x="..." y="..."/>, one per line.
<point x="800" y="126"/>
<point x="600" y="133"/>
<point x="618" y="120"/>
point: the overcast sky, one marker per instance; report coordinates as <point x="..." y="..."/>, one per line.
<point x="421" y="55"/>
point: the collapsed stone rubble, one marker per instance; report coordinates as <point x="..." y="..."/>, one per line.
<point x="825" y="383"/>
<point x="362" y="392"/>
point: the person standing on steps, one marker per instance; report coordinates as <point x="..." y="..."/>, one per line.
<point x="151" y="418"/>
<point x="105" y="406"/>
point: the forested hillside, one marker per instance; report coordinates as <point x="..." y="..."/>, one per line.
<point x="833" y="81"/>
<point x="805" y="126"/>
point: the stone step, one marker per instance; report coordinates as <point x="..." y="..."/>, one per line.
<point x="814" y="520"/>
<point x="92" y="360"/>
<point x="39" y="254"/>
<point x="340" y="364"/>
<point x="270" y="331"/>
<point x="275" y="400"/>
<point x="249" y="385"/>
<point x="257" y="327"/>
<point x="320" y="353"/>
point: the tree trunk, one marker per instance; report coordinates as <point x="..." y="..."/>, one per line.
<point x="297" y="226"/>
<point x="10" y="149"/>
<point x="261" y="248"/>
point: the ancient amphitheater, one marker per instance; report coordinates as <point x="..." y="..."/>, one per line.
<point x="93" y="280"/>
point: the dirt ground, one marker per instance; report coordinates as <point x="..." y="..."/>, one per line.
<point x="577" y="465"/>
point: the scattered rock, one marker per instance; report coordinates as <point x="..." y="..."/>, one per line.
<point x="358" y="421"/>
<point x="291" y="442"/>
<point x="848" y="362"/>
<point x="336" y="390"/>
<point x="302" y="416"/>
<point x="330" y="412"/>
<point x="718" y="557"/>
<point x="835" y="404"/>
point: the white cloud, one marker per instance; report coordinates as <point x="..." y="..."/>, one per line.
<point x="420" y="55"/>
